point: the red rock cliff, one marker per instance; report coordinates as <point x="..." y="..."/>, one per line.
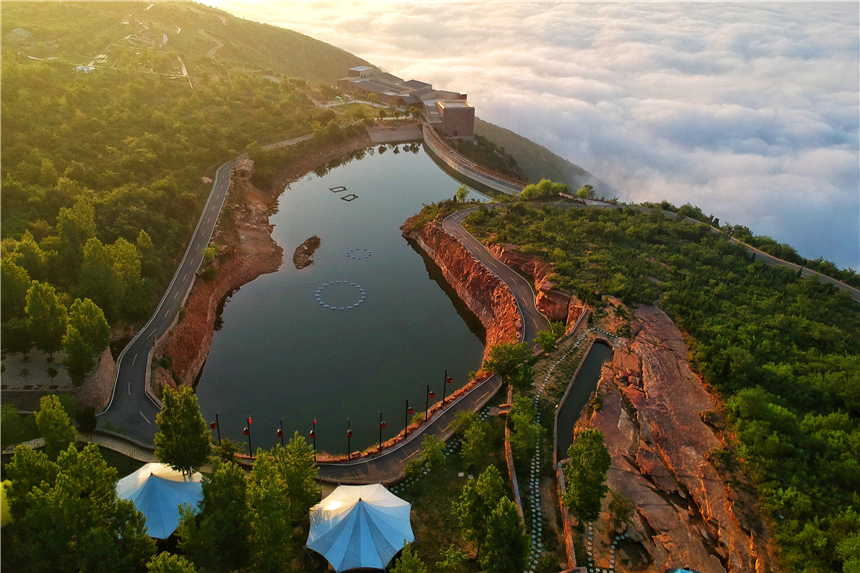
<point x="651" y="418"/>
<point x="553" y="303"/>
<point x="487" y="296"/>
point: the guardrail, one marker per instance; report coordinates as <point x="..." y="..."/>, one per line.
<point x="457" y="161"/>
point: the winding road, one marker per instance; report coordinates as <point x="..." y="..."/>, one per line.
<point x="131" y="409"/>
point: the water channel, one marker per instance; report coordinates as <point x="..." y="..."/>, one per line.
<point x="582" y="387"/>
<point x="280" y="354"/>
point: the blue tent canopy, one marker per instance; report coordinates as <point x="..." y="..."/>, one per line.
<point x="158" y="491"/>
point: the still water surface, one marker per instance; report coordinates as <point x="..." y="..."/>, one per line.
<point x="280" y="354"/>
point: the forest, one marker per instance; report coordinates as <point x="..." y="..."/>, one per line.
<point x="103" y="167"/>
<point x="782" y="352"/>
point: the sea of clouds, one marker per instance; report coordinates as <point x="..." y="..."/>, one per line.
<point x="750" y="111"/>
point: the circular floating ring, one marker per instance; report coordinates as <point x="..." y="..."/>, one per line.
<point x="361" y="292"/>
<point x="358" y="254"/>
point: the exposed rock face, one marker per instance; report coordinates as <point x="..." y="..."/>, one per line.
<point x="651" y="419"/>
<point x="487" y="296"/>
<point x="553" y="303"/>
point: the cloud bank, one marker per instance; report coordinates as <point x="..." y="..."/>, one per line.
<point x="750" y="111"/>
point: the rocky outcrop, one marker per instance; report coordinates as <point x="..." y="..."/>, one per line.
<point x="651" y="417"/>
<point x="555" y="304"/>
<point x="484" y="293"/>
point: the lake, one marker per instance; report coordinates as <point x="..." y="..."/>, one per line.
<point x="281" y="353"/>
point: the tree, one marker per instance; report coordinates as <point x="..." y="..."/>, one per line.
<point x="99" y="281"/>
<point x="52" y="372"/>
<point x="476" y="444"/>
<point x="125" y="260"/>
<point x="183" y="438"/>
<point x="546" y="339"/>
<point x="167" y="563"/>
<point x="585" y="192"/>
<point x="409" y="562"/>
<point x="453" y="560"/>
<point x="432" y="451"/>
<point x="220" y="543"/>
<point x="477" y="501"/>
<point x="526" y="432"/>
<point x="507" y="357"/>
<point x="68" y="517"/>
<point x="382" y="114"/>
<point x="89" y="320"/>
<point x="149" y="260"/>
<point x="621" y="506"/>
<point x="46" y="317"/>
<point x="506" y="543"/>
<point x="16" y="336"/>
<point x="373" y="98"/>
<point x="74" y="227"/>
<point x="79" y="356"/>
<point x="269" y="525"/>
<point x="295" y="463"/>
<point x="54" y="425"/>
<point x="16" y="282"/>
<point x="462" y="193"/>
<point x="31" y="257"/>
<point x="87" y="420"/>
<point x="584" y="474"/>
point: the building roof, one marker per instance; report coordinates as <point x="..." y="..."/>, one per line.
<point x="20" y="34"/>
<point x="371" y="86"/>
<point x="453" y="104"/>
<point x="361" y="69"/>
<point x="387" y="78"/>
<point x="244" y="164"/>
<point x="416" y="85"/>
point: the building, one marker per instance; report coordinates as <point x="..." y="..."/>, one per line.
<point x="244" y="168"/>
<point x="447" y="111"/>
<point x="19" y="35"/>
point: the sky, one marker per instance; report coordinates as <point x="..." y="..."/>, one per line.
<point x="749" y="111"/>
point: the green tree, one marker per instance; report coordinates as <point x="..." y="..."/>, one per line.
<point x="453" y="560"/>
<point x="512" y="361"/>
<point x="476" y="444"/>
<point x="31" y="258"/>
<point x="167" y="563"/>
<point x="68" y="517"/>
<point x="546" y="339"/>
<point x="409" y="562"/>
<point x="295" y="463"/>
<point x="526" y="432"/>
<point x="373" y="98"/>
<point x="54" y="425"/>
<point x="46" y="317"/>
<point x="506" y="544"/>
<point x="480" y="496"/>
<point x="89" y="320"/>
<point x="52" y="372"/>
<point x="462" y="193"/>
<point x="87" y="420"/>
<point x="220" y="543"/>
<point x="149" y="259"/>
<point x="183" y="438"/>
<point x="74" y="227"/>
<point x="584" y="474"/>
<point x="79" y="356"/>
<point x="100" y="282"/>
<point x="585" y="192"/>
<point x="432" y="451"/>
<point x="16" y="282"/>
<point x="268" y="516"/>
<point x="16" y="336"/>
<point x="125" y="260"/>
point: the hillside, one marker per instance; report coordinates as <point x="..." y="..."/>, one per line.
<point x="79" y="32"/>
<point x="536" y="161"/>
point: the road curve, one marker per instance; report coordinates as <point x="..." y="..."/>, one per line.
<point x="534" y="321"/>
<point x="130" y="408"/>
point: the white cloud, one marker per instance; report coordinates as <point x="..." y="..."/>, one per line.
<point x="749" y="111"/>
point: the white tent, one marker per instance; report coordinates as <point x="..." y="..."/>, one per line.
<point x="360" y="526"/>
<point x="157" y="491"/>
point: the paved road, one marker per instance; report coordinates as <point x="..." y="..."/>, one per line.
<point x="130" y="407"/>
<point x="522" y="289"/>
